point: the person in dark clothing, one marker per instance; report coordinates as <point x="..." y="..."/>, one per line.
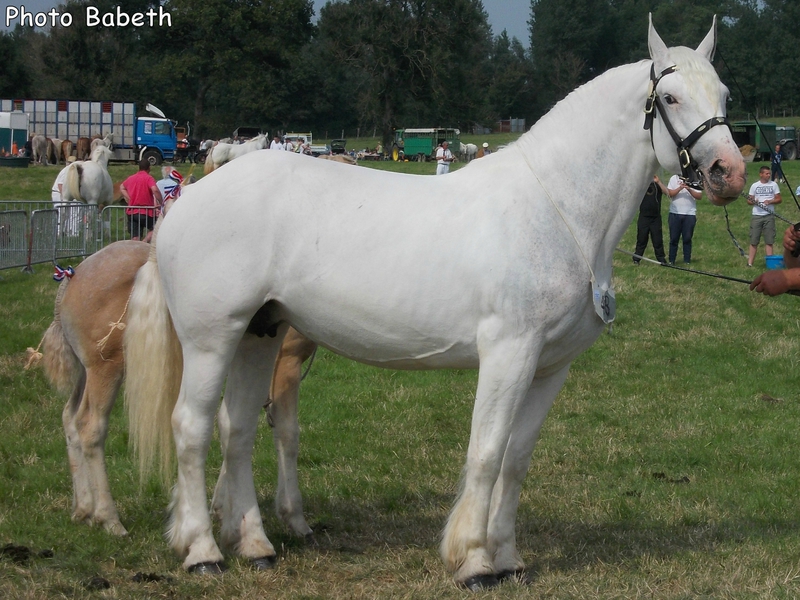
<point x="649" y="223"/>
<point x="775" y="166"/>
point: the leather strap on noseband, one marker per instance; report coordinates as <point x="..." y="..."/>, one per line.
<point x="689" y="167"/>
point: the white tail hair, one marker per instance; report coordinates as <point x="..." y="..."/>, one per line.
<point x="153" y="369"/>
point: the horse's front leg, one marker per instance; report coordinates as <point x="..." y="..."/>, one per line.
<point x="505" y="498"/>
<point x="506" y="370"/>
<point x="282" y="410"/>
<point x="235" y="498"/>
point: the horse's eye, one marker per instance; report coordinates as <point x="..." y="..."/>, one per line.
<point x="669" y="99"/>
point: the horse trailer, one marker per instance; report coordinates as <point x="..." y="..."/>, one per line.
<point x="133" y="137"/>
<point x="420" y="144"/>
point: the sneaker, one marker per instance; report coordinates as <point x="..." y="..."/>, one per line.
<point x="749" y="265"/>
<point x="636" y="262"/>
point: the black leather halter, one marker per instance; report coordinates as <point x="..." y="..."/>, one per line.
<point x="689" y="168"/>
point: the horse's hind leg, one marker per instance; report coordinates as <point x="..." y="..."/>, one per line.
<point x="505" y="499"/>
<point x="295" y="350"/>
<point x="102" y="385"/>
<point x="235" y="498"/>
<point x="82" y="502"/>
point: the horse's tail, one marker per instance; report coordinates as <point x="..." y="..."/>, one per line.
<point x="209" y="164"/>
<point x="60" y="363"/>
<point x="153" y="369"/>
<point x="74" y="176"/>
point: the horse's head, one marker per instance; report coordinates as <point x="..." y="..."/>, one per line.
<point x="686" y="110"/>
<point x="101" y="155"/>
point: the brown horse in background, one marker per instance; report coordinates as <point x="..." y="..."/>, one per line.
<point x="83" y="148"/>
<point x="66" y="149"/>
<point x="83" y="359"/>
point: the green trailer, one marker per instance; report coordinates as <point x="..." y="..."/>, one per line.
<point x="420" y="144"/>
<point x="760" y="136"/>
<point x="13" y="130"/>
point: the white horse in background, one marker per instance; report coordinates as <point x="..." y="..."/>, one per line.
<point x="468" y="151"/>
<point x="39" y="145"/>
<point x="88" y="181"/>
<point x="107" y="141"/>
<point x="504" y="266"/>
<point x="222" y="153"/>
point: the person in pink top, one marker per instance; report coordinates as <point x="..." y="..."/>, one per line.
<point x="141" y="190"/>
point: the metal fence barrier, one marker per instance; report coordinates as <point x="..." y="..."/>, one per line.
<point x="36" y="232"/>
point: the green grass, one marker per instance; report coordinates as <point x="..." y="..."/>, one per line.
<point x="666" y="468"/>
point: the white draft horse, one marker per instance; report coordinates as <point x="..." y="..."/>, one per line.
<point x="221" y="153"/>
<point x="83" y="359"/>
<point x="89" y="181"/>
<point x="468" y="151"/>
<point x="504" y="265"/>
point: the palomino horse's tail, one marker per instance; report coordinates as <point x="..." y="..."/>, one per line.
<point x="74" y="176"/>
<point x="209" y="164"/>
<point x="61" y="365"/>
<point x="153" y="369"/>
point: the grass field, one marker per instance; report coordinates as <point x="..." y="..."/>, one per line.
<point x="666" y="468"/>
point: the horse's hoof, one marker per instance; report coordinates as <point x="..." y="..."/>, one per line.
<point x="264" y="563"/>
<point x="208" y="568"/>
<point x="477" y="583"/>
<point x="519" y="575"/>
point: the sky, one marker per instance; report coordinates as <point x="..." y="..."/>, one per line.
<point x="511" y="15"/>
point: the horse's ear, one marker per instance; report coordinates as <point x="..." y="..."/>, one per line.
<point x="658" y="49"/>
<point x="709" y="44"/>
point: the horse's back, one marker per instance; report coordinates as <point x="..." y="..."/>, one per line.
<point x="96" y="297"/>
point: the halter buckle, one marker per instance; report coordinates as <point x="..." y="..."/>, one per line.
<point x="685" y="158"/>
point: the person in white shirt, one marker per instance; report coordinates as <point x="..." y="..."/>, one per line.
<point x="443" y="158"/>
<point x="682" y="217"/>
<point x="276" y="144"/>
<point x="764" y="193"/>
<point x="59" y="203"/>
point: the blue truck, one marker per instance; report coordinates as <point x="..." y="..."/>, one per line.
<point x="133" y="137"/>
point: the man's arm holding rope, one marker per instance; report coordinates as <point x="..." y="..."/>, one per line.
<point x="780" y="281"/>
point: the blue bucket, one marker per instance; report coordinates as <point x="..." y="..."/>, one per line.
<point x="775" y="261"/>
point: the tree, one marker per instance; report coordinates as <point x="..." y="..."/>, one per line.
<point x="412" y="60"/>
<point x="511" y="91"/>
<point x="225" y="62"/>
<point x="15" y="80"/>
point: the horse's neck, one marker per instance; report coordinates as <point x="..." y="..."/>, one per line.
<point x="593" y="158"/>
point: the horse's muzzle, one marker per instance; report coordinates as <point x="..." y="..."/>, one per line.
<point x="724" y="181"/>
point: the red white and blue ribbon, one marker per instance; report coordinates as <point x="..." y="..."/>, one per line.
<point x="59" y="273"/>
<point x="174" y="191"/>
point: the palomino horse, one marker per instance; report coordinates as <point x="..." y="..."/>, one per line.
<point x="53" y="151"/>
<point x="83" y="148"/>
<point x="89" y="181"/>
<point x="221" y="152"/>
<point x="83" y="358"/>
<point x="66" y="149"/>
<point x="504" y="265"/>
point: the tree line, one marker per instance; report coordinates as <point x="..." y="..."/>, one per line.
<point x="380" y="64"/>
